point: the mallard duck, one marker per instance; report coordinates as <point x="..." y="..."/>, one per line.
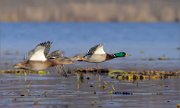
<point x="97" y="54"/>
<point x="39" y="59"/>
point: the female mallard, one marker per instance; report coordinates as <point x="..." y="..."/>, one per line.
<point x="97" y="54"/>
<point x="39" y="59"/>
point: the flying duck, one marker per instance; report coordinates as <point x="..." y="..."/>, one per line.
<point x="97" y="54"/>
<point x="39" y="59"/>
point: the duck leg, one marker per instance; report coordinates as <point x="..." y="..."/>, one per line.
<point x="58" y="68"/>
<point x="61" y="69"/>
<point x="99" y="75"/>
<point x="65" y="74"/>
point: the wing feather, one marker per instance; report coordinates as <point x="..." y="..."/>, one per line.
<point x="40" y="52"/>
<point x="56" y="54"/>
<point x="98" y="49"/>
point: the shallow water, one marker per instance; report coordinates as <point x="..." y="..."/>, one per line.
<point x="151" y="39"/>
<point x="52" y="90"/>
<point x="146" y="42"/>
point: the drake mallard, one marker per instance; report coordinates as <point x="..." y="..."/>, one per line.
<point x="97" y="54"/>
<point x="39" y="59"/>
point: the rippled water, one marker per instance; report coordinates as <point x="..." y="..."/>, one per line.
<point x="53" y="90"/>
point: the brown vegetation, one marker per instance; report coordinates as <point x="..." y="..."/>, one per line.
<point x="78" y="10"/>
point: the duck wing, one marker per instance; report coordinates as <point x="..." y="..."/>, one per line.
<point x="97" y="49"/>
<point x="40" y="52"/>
<point x="55" y="54"/>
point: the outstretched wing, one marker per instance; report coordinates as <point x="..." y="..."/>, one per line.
<point x="47" y="47"/>
<point x="98" y="49"/>
<point x="55" y="54"/>
<point x="40" y="52"/>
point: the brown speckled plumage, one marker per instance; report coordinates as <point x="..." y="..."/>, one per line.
<point x="53" y="59"/>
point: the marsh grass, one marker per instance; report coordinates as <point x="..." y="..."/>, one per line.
<point x="113" y="73"/>
<point x="122" y="10"/>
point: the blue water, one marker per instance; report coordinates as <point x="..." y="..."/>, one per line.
<point x="141" y="40"/>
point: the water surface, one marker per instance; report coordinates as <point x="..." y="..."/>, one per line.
<point x="144" y="41"/>
<point x="53" y="90"/>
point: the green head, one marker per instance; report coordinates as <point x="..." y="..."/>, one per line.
<point x="120" y="54"/>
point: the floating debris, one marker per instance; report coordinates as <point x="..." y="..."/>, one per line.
<point x="178" y="106"/>
<point x="118" y="74"/>
<point x="122" y="93"/>
<point x="141" y="52"/>
<point x="163" y="58"/>
<point x="22" y="95"/>
<point x="178" y="48"/>
<point x="91" y="86"/>
<point x="22" y="72"/>
<point x="151" y="59"/>
<point x="92" y="70"/>
<point x="168" y="101"/>
<point x="88" y="78"/>
<point x="36" y="102"/>
<point x="133" y="75"/>
<point x="148" y="74"/>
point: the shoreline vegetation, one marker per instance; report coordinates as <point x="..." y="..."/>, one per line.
<point x="90" y="10"/>
<point x="117" y="74"/>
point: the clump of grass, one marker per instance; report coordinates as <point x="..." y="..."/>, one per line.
<point x="132" y="74"/>
<point x="141" y="10"/>
<point x="22" y="72"/>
